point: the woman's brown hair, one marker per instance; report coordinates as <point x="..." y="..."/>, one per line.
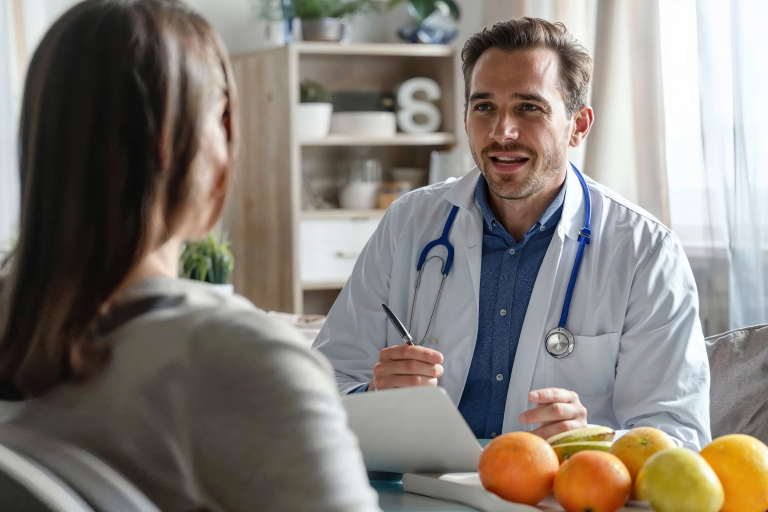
<point x="113" y="106"/>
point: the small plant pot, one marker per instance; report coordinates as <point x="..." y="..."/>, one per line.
<point x="313" y="120"/>
<point x="224" y="289"/>
<point x="322" y="29"/>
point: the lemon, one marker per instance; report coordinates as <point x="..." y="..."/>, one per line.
<point x="679" y="480"/>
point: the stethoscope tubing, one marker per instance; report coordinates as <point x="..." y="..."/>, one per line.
<point x="584" y="237"/>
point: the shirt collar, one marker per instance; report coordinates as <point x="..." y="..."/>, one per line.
<point x="481" y="196"/>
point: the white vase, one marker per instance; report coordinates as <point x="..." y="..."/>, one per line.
<point x="313" y="120"/>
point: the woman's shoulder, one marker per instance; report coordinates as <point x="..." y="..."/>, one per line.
<point x="198" y="321"/>
<point x="230" y="330"/>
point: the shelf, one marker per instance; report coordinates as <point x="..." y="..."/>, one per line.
<point x="323" y="285"/>
<point x="340" y="213"/>
<point x="374" y="49"/>
<point x="401" y="139"/>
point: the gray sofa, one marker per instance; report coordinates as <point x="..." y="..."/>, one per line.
<point x="739" y="394"/>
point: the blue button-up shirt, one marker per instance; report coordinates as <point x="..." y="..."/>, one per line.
<point x="508" y="273"/>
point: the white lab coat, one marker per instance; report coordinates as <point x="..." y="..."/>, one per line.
<point x="639" y="356"/>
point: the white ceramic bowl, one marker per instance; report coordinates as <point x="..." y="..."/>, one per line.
<point x="364" y="124"/>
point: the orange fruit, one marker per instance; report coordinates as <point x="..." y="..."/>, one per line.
<point x="637" y="445"/>
<point x="519" y="467"/>
<point x="741" y="463"/>
<point x="592" y="481"/>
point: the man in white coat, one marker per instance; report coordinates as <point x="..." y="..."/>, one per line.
<point x="638" y="355"/>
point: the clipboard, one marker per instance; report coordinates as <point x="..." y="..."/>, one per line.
<point x="412" y="430"/>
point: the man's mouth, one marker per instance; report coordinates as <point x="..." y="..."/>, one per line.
<point x="509" y="160"/>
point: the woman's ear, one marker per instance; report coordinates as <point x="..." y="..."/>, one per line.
<point x="221" y="183"/>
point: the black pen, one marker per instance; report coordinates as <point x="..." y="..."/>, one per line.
<point x="399" y="327"/>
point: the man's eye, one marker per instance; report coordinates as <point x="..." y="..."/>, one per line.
<point x="482" y="107"/>
<point x="530" y="107"/>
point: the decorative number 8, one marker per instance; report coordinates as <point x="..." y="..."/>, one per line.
<point x="409" y="107"/>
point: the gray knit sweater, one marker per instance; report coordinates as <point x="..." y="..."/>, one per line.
<point x="208" y="403"/>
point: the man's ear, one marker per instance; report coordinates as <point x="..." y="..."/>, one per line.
<point x="582" y="123"/>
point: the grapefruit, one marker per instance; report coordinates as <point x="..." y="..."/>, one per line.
<point x="592" y="481"/>
<point x="637" y="445"/>
<point x="519" y="467"/>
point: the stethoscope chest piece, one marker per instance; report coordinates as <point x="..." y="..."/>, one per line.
<point x="559" y="342"/>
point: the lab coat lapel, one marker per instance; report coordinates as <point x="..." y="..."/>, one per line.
<point x="468" y="230"/>
<point x="467" y="239"/>
<point x="542" y="313"/>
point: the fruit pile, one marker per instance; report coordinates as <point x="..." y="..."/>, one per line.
<point x="588" y="471"/>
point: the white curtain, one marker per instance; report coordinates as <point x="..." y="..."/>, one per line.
<point x="625" y="150"/>
<point x="9" y="99"/>
<point x="733" y="85"/>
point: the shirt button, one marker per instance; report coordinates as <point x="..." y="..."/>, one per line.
<point x="503" y="312"/>
<point x="499" y="377"/>
<point x="433" y="341"/>
<point x="494" y="434"/>
<point x="542" y="227"/>
<point x="512" y="252"/>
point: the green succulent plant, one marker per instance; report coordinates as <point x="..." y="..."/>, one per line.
<point x="313" y="9"/>
<point x="208" y="260"/>
<point x="426" y="7"/>
<point x="314" y="92"/>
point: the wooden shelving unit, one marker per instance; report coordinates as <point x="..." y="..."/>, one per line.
<point x="339" y="213"/>
<point x="401" y="139"/>
<point x="374" y="49"/>
<point x="295" y="260"/>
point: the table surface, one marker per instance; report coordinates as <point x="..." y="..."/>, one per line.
<point x="392" y="498"/>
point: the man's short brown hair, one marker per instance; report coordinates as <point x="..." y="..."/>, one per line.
<point x="575" y="64"/>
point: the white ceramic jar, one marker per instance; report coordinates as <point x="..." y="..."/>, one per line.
<point x="313" y="120"/>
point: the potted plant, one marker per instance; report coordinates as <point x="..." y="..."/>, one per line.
<point x="313" y="114"/>
<point x="278" y="16"/>
<point x="325" y="20"/>
<point x="208" y="260"/>
<point x="434" y="21"/>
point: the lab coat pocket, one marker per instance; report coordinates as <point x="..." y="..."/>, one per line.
<point x="590" y="369"/>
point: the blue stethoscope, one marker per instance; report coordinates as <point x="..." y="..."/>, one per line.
<point x="559" y="342"/>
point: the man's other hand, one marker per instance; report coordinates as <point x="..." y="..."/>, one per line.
<point x="557" y="410"/>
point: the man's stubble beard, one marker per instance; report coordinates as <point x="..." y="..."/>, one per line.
<point x="544" y="168"/>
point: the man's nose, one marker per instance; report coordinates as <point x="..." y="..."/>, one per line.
<point x="505" y="129"/>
